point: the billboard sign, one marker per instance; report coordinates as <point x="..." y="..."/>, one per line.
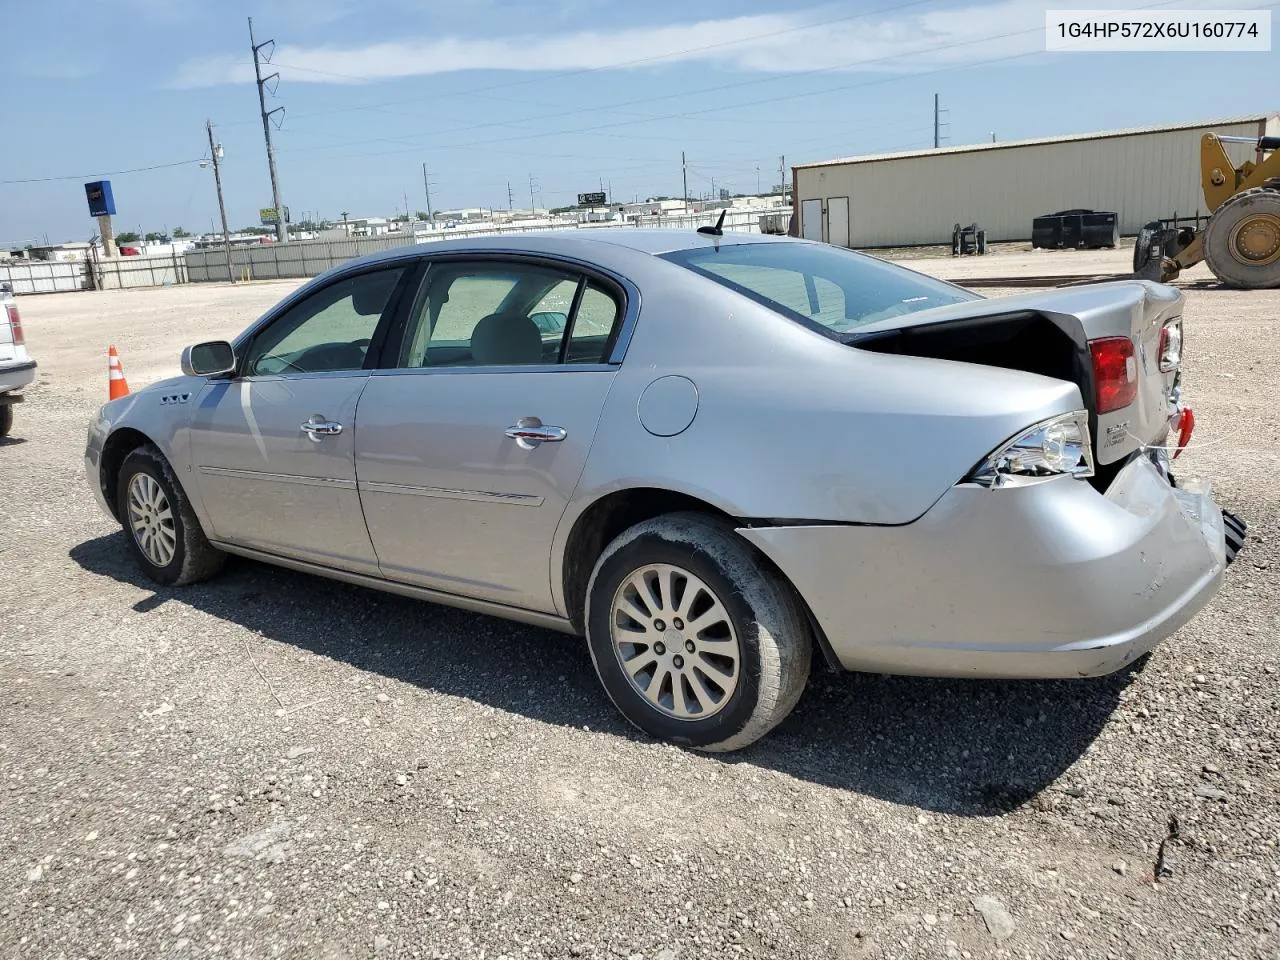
<point x="590" y="199"/>
<point x="101" y="202"/>
<point x="270" y="216"/>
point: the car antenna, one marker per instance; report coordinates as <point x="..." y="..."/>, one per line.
<point x="717" y="230"/>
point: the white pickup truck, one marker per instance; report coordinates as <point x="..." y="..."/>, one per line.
<point x="17" y="369"/>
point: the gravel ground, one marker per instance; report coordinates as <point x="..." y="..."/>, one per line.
<point x="272" y="765"/>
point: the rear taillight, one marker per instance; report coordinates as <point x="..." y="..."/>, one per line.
<point x="1115" y="372"/>
<point x="1186" y="424"/>
<point x="1171" y="346"/>
<point x="15" y="324"/>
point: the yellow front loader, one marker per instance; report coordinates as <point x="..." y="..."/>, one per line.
<point x="1241" y="240"/>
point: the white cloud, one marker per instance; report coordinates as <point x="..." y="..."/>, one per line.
<point x="904" y="40"/>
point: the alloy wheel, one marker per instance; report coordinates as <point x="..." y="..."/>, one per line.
<point x="151" y="520"/>
<point x="675" y="641"/>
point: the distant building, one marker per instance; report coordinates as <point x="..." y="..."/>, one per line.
<point x="917" y="197"/>
<point x="465" y="213"/>
<point x="368" y="227"/>
<point x="62" y="252"/>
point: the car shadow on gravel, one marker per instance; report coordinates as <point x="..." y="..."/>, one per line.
<point x="971" y="748"/>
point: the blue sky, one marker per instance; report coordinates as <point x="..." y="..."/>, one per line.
<point x="570" y="92"/>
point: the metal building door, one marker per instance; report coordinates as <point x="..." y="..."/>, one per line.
<point x="838" y="221"/>
<point x="811" y="219"/>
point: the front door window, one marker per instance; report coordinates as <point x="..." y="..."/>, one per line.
<point x="328" y="331"/>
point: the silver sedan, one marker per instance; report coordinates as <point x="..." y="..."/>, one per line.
<point x="715" y="457"/>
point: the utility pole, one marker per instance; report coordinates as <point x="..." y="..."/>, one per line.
<point x="782" y="176"/>
<point x="937" y="122"/>
<point x="407" y="216"/>
<point x="511" y="203"/>
<point x="426" y="185"/>
<point x="533" y="207"/>
<point x="282" y="228"/>
<point x="215" y="153"/>
<point x="684" y="173"/>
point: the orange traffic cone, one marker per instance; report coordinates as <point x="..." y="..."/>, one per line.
<point x="117" y="385"/>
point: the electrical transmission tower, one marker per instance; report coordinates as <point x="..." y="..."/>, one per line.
<point x="282" y="228"/>
<point x="938" y="122"/>
<point x="426" y="185"/>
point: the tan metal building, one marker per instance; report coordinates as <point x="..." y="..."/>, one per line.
<point x="917" y="197"/>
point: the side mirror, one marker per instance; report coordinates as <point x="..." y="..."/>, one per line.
<point x="212" y="359"/>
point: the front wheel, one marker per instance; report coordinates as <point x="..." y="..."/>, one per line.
<point x="1242" y="240"/>
<point x="164" y="534"/>
<point x="695" y="638"/>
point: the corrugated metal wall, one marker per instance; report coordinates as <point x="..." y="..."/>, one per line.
<point x="918" y="200"/>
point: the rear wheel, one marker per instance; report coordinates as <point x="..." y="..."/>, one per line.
<point x="695" y="638"/>
<point x="6" y="419"/>
<point x="1242" y="240"/>
<point x="164" y="535"/>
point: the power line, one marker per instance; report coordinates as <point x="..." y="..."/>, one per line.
<point x="893" y="8"/>
<point x="687" y="94"/>
<point x="677" y="116"/>
<point x="106" y="173"/>
<point x="812" y="93"/>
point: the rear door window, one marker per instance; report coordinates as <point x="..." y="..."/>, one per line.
<point x="500" y="313"/>
<point x="831" y="289"/>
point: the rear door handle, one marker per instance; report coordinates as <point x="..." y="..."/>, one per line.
<point x="528" y="432"/>
<point x="317" y="428"/>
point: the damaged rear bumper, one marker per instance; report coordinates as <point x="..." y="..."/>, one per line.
<point x="1048" y="580"/>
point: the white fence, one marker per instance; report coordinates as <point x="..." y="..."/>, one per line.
<point x="117" y="273"/>
<point x="42" y="277"/>
<point x="309" y="258"/>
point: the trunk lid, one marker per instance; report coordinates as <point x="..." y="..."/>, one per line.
<point x="1049" y="333"/>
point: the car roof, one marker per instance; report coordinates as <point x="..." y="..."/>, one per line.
<point x="583" y="243"/>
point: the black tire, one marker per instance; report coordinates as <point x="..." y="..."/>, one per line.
<point x="6" y="419"/>
<point x="1235" y="531"/>
<point x="775" y="647"/>
<point x="1218" y="253"/>
<point x="194" y="558"/>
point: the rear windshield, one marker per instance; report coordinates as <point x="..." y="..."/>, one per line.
<point x="828" y="287"/>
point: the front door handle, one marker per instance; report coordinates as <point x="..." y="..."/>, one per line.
<point x="528" y="432"/>
<point x="317" y="428"/>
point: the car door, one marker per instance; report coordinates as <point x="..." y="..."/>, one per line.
<point x="273" y="447"/>
<point x="470" y="444"/>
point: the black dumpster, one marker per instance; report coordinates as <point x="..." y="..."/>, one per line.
<point x="1076" y="228"/>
